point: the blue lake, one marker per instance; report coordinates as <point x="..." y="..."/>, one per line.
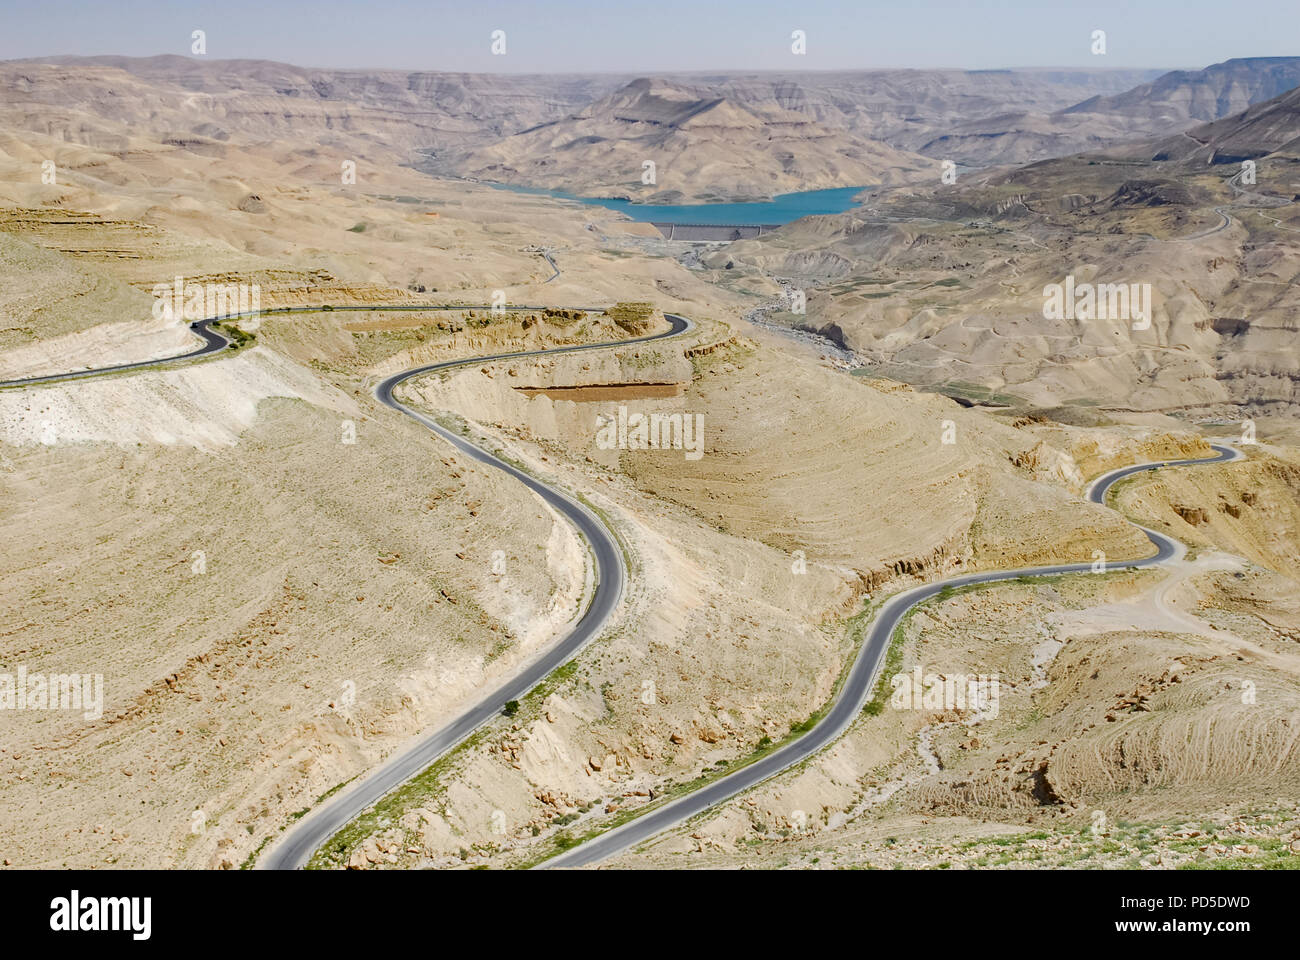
<point x="783" y="208"/>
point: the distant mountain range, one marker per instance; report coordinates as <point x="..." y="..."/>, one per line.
<point x="702" y="147"/>
<point x="1271" y="128"/>
<point x="1184" y="97"/>
<point x="711" y="136"/>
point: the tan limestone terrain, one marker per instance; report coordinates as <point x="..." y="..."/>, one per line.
<point x="946" y="288"/>
<point x="314" y="586"/>
<point x="704" y="147"/>
<point x="1252" y="510"/>
<point x="205" y="104"/>
<point x="628" y="724"/>
<point x="270" y="608"/>
<point x="1126" y="736"/>
<point x="276" y="609"/>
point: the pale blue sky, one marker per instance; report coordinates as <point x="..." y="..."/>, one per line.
<point x="662" y="35"/>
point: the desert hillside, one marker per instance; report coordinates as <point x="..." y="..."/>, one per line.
<point x="704" y="147"/>
<point x="829" y="128"/>
<point x="949" y="286"/>
<point x="283" y="583"/>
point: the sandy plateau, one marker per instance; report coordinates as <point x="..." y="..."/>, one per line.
<point x="283" y="582"/>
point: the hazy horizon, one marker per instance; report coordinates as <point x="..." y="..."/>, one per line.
<point x="376" y="68"/>
<point x="579" y="36"/>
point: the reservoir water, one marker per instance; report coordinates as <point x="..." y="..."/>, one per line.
<point x="783" y="208"/>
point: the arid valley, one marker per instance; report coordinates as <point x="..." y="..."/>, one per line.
<point x="648" y="470"/>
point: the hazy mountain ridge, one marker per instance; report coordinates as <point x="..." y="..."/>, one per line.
<point x="808" y="129"/>
<point x="1186" y="96"/>
<point x="1268" y="128"/>
<point x="440" y="115"/>
<point x="702" y="147"/>
<point x="411" y="108"/>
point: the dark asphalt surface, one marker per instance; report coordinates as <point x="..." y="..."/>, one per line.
<point x="298" y="844"/>
<point x="212" y="342"/>
<point x="857" y="688"/>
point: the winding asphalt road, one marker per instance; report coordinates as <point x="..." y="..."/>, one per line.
<point x="298" y="844"/>
<point x="858" y="686"/>
<point x="212" y="342"/>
